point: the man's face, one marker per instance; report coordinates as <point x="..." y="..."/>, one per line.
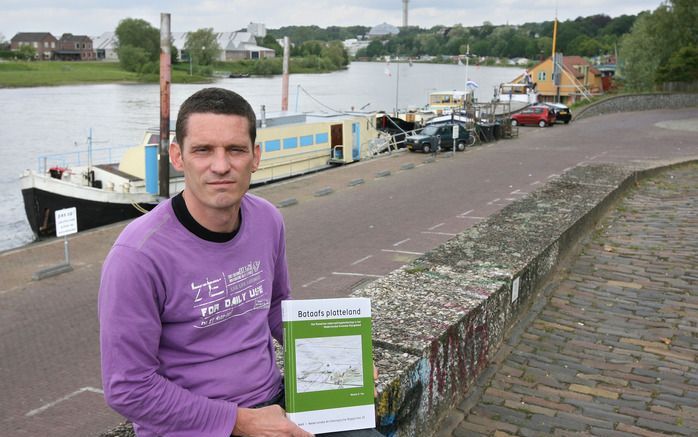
<point x="218" y="158"/>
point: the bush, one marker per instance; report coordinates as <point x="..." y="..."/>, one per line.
<point x="133" y="58"/>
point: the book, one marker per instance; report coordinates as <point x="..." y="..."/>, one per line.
<point x="328" y="364"/>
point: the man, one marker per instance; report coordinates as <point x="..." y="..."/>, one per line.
<point x="190" y="293"/>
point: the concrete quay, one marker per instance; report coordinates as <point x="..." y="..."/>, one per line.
<point x="610" y="347"/>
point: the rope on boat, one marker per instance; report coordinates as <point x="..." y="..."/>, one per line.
<point x="319" y="102"/>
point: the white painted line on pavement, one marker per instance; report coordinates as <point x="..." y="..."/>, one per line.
<point x="467" y="212"/>
<point x="494" y="201"/>
<point x="522" y="193"/>
<point x="403" y="251"/>
<point x="436" y="226"/>
<point x="536" y="183"/>
<point x="400" y="242"/>
<point x="64" y="398"/>
<point x="356" y="274"/>
<point x="554" y="175"/>
<point x="358" y="261"/>
<point x="439" y="233"/>
<point x="315" y="281"/>
<point x="471" y="217"/>
<point x="565" y="170"/>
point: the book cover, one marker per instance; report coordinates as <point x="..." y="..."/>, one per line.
<point x="328" y="364"/>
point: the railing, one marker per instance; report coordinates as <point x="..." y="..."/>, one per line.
<point x="106" y="155"/>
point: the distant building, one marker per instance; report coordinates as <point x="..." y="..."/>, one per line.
<point x="519" y="61"/>
<point x="578" y="78"/>
<point x="354" y="45"/>
<point x="234" y="46"/>
<point x="259" y="30"/>
<point x="105" y="46"/>
<point x="74" y="48"/>
<point x="43" y="42"/>
<point x="383" y="29"/>
<point x="243" y="45"/>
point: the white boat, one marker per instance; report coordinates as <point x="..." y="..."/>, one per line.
<point x="108" y="192"/>
<point x="516" y="93"/>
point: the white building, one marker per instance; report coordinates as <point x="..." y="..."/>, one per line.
<point x="105" y="46"/>
<point x="383" y="29"/>
<point x="354" y="45"/>
<point x="234" y="46"/>
<point x="259" y="30"/>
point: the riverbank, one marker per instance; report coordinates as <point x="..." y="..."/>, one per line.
<point x="19" y="74"/>
<point x="54" y="73"/>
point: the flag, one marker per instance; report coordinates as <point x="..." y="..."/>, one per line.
<point x="471" y="84"/>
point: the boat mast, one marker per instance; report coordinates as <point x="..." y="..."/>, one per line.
<point x="556" y="66"/>
<point x="165" y="80"/>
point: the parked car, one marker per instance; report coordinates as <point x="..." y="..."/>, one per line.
<point x="562" y="112"/>
<point x="437" y="137"/>
<point x="540" y="115"/>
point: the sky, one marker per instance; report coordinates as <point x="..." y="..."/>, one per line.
<point x="93" y="17"/>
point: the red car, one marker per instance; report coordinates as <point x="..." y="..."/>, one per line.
<point x="540" y="115"/>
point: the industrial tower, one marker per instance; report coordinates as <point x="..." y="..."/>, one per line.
<point x="404" y="13"/>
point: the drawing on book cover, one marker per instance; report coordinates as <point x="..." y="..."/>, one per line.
<point x="328" y="363"/>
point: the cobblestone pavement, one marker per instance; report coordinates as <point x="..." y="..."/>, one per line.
<point x="614" y="350"/>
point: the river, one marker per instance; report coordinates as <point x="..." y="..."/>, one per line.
<point x="47" y="120"/>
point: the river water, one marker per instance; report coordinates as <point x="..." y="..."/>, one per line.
<point x="49" y="120"/>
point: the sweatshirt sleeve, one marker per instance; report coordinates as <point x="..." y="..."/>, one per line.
<point x="281" y="287"/>
<point x="129" y="305"/>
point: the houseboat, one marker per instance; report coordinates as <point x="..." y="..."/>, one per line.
<point x="107" y="192"/>
<point x="518" y="93"/>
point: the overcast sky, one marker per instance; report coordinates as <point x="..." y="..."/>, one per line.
<point x="93" y="17"/>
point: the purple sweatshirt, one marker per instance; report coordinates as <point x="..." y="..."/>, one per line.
<point x="186" y="324"/>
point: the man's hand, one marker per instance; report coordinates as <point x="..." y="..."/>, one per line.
<point x="269" y="421"/>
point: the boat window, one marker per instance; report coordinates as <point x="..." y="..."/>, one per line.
<point x="290" y="143"/>
<point x="321" y="138"/>
<point x="306" y="140"/>
<point x="272" y="146"/>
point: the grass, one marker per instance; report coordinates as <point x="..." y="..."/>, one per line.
<point x="28" y="74"/>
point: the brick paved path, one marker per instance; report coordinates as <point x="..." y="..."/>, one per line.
<point x="614" y="352"/>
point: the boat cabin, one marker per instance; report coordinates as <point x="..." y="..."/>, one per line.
<point x="444" y="102"/>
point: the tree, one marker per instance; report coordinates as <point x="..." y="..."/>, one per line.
<point x="138" y="44"/>
<point x="655" y="39"/>
<point x="336" y="53"/>
<point x="638" y="60"/>
<point x="26" y="52"/>
<point x="681" y="67"/>
<point x="271" y="43"/>
<point x="202" y="46"/>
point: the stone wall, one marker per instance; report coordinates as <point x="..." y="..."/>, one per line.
<point x="440" y="320"/>
<point x="638" y="102"/>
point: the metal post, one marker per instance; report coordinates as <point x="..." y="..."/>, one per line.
<point x="298" y="95"/>
<point x="284" y="80"/>
<point x="165" y="80"/>
<point x="397" y="83"/>
<point x="65" y="250"/>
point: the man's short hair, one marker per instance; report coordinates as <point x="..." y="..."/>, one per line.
<point x="215" y="101"/>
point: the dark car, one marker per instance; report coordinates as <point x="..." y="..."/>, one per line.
<point x="437" y="137"/>
<point x="540" y="115"/>
<point x="562" y="112"/>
